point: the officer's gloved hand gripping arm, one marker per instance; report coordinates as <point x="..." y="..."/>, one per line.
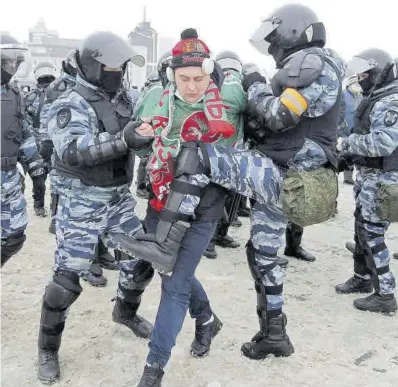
<point x="76" y="144"/>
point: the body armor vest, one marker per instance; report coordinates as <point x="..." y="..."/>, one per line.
<point x="282" y="146"/>
<point x="112" y="118"/>
<point x="11" y="128"/>
<point x="362" y="126"/>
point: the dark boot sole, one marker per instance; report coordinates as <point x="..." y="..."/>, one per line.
<point x="48" y="382"/>
<point x="366" y="291"/>
<point x="210" y="256"/>
<point x="386" y="311"/>
<point x="299" y="257"/>
<point x="261" y="355"/>
<point x="138" y="334"/>
<point x="99" y="285"/>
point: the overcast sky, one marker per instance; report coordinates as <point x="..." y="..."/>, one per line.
<point x="351" y="25"/>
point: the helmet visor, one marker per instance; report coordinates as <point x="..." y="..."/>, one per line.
<point x="11" y="57"/>
<point x="259" y="38"/>
<point x="358" y="65"/>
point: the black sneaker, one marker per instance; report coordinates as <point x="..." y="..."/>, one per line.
<point x="204" y="335"/>
<point x="152" y="376"/>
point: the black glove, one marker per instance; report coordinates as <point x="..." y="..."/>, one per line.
<point x="251" y="78"/>
<point x="46" y="150"/>
<point x="134" y="140"/>
<point x="344" y="162"/>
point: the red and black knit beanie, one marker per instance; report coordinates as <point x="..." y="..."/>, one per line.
<point x="189" y="51"/>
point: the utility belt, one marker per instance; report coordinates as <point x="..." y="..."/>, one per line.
<point x="8" y="163"/>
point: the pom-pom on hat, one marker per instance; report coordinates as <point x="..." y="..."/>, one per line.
<point x="190" y="50"/>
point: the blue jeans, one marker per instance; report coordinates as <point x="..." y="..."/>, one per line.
<point x="180" y="291"/>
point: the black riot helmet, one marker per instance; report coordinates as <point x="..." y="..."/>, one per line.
<point x="12" y="55"/>
<point x="250" y="67"/>
<point x="102" y="60"/>
<point x="229" y="60"/>
<point x="153" y="77"/>
<point x="45" y="72"/>
<point x="69" y="64"/>
<point x="163" y="63"/>
<point x="368" y="66"/>
<point x="288" y="29"/>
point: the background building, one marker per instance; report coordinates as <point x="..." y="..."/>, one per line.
<point x="46" y="45"/>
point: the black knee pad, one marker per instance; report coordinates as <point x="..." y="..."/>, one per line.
<point x="11" y="245"/>
<point x="251" y="260"/>
<point x="68" y="280"/>
<point x="59" y="295"/>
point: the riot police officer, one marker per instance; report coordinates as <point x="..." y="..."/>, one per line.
<point x="372" y="147"/>
<point x="45" y="73"/>
<point x="17" y="144"/>
<point x="95" y="167"/>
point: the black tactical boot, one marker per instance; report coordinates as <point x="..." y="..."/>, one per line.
<point x="48" y="366"/>
<point x="59" y="295"/>
<point x="204" y="335"/>
<point x="162" y="254"/>
<point x="271" y="339"/>
<point x="395" y="255"/>
<point x="355" y="284"/>
<point x="225" y="241"/>
<point x="126" y="314"/>
<point x="293" y="247"/>
<point x="350" y="246"/>
<point x="40" y="211"/>
<point x="379" y="303"/>
<point x="95" y="276"/>
<point x="152" y="376"/>
<point x="104" y="258"/>
<point x="299" y="253"/>
<point x="210" y="251"/>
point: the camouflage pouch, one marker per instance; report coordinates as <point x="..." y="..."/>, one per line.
<point x="310" y="197"/>
<point x="387" y="202"/>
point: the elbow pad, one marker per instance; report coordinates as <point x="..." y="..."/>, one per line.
<point x="98" y="153"/>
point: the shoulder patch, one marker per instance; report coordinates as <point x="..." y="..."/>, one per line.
<point x="390" y="117"/>
<point x="63" y="117"/>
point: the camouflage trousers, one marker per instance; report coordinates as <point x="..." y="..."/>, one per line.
<point x="254" y="175"/>
<point x="371" y="256"/>
<point x="82" y="218"/>
<point x="14" y="217"/>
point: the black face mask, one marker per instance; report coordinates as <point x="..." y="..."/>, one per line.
<point x="366" y="85"/>
<point x="45" y="81"/>
<point x="369" y="82"/>
<point x="5" y="77"/>
<point x="111" y="81"/>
